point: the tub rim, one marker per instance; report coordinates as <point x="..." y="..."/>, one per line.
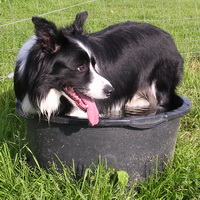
<point x="139" y="122"/>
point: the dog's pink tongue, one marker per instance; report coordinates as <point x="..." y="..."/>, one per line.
<point x="92" y="111"/>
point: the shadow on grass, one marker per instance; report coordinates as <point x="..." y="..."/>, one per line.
<point x="12" y="126"/>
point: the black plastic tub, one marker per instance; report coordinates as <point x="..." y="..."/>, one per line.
<point x="137" y="145"/>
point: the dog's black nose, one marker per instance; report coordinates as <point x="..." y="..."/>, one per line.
<point x="108" y="90"/>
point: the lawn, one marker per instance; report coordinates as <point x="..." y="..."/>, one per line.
<point x="180" y="179"/>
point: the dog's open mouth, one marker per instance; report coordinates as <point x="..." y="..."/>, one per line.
<point x="84" y="102"/>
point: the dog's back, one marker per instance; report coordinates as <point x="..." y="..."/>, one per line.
<point x="142" y="63"/>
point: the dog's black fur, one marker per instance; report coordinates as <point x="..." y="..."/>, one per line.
<point x="140" y="64"/>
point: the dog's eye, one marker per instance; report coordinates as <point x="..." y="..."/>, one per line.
<point x="83" y="68"/>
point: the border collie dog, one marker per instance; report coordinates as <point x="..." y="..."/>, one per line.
<point x="127" y="66"/>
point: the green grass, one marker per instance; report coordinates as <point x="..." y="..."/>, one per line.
<point x="181" y="178"/>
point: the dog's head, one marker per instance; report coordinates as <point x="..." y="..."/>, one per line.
<point x="60" y="64"/>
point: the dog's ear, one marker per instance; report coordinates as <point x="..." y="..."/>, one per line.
<point x="46" y="33"/>
<point x="79" y="21"/>
<point x="77" y="26"/>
